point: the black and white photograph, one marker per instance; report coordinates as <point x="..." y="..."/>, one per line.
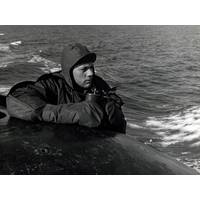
<point x="99" y="99"/>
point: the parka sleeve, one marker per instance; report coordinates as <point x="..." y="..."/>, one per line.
<point x="30" y="103"/>
<point x="84" y="113"/>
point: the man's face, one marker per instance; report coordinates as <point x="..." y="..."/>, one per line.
<point x="83" y="75"/>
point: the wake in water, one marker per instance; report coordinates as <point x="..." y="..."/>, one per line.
<point x="16" y="43"/>
<point x="49" y="66"/>
<point x="178" y="128"/>
<point x="6" y="47"/>
<point x="28" y="64"/>
<point x="8" y="56"/>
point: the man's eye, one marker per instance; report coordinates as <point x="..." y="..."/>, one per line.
<point x="91" y="67"/>
<point x="84" y="69"/>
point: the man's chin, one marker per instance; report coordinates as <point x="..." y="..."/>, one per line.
<point x="88" y="85"/>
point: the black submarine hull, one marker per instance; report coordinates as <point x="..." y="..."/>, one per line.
<point x="44" y="148"/>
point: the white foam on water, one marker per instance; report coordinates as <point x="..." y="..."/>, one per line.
<point x="48" y="65"/>
<point x="185" y="153"/>
<point x="196" y="144"/>
<point x="39" y="59"/>
<point x="131" y="125"/>
<point x="3" y="65"/>
<point x="16" y="43"/>
<point x="45" y="69"/>
<point x="4" y="47"/>
<point x="181" y="127"/>
<point x="46" y="62"/>
<point x="192" y="162"/>
<point x="55" y="69"/>
<point x="4" y="89"/>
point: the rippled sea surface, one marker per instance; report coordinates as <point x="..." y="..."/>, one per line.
<point x="155" y="68"/>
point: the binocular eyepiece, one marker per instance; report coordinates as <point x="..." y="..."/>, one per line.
<point x="92" y="97"/>
<point x="97" y="96"/>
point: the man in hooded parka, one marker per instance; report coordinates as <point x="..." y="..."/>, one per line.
<point x="60" y="97"/>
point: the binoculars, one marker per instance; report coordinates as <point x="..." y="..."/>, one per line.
<point x="92" y="97"/>
<point x="97" y="96"/>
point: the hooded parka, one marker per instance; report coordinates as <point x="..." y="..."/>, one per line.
<point x="56" y="98"/>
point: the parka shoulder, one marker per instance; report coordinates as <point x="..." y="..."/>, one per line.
<point x="50" y="76"/>
<point x="100" y="83"/>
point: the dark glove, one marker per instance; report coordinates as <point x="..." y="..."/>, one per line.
<point x="115" y="116"/>
<point x="91" y="114"/>
<point x="83" y="113"/>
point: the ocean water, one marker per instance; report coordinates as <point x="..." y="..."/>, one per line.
<point x="155" y="68"/>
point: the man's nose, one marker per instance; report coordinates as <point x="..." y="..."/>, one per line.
<point x="90" y="72"/>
